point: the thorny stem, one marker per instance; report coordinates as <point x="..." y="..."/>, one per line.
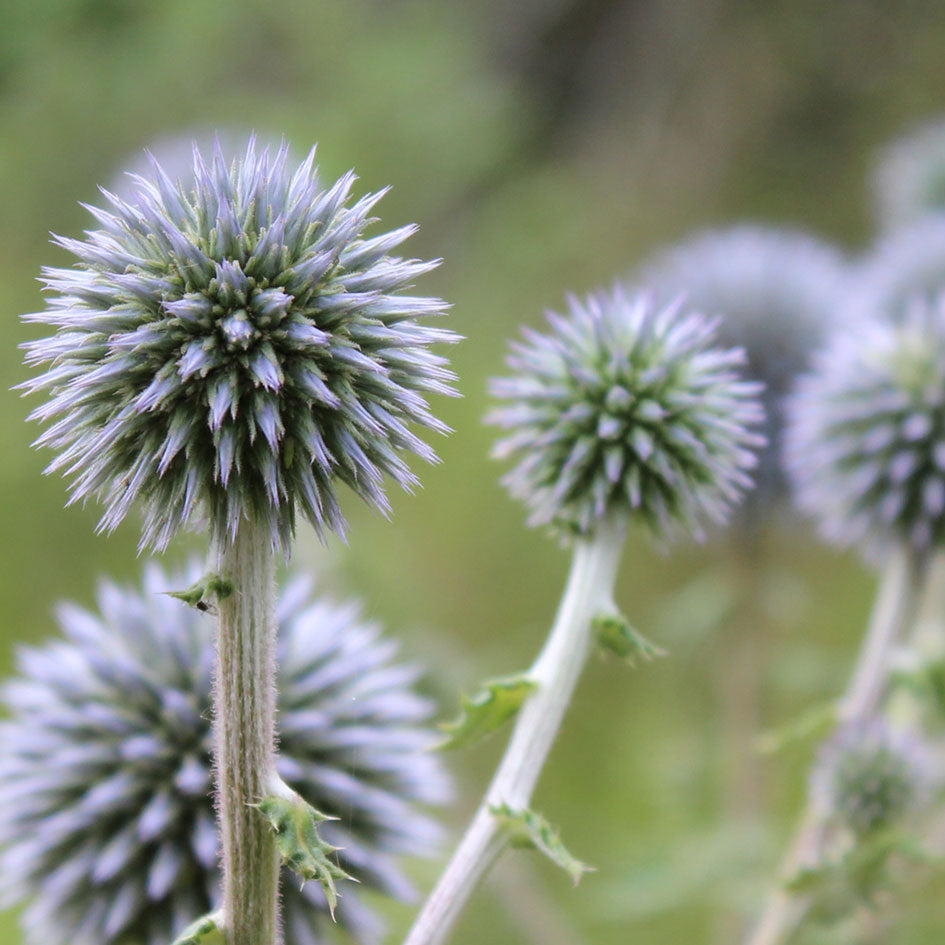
<point x="894" y="612"/>
<point x="589" y="590"/>
<point x="244" y="737"/>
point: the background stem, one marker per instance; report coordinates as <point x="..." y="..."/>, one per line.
<point x="589" y="591"/>
<point x="244" y="737"/>
<point x="896" y="606"/>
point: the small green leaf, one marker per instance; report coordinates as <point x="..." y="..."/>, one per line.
<point x="483" y="713"/>
<point x="531" y="831"/>
<point x="839" y="887"/>
<point x="812" y="724"/>
<point x="926" y="681"/>
<point x="207" y="930"/>
<point x="205" y="594"/>
<point x="615" y="634"/>
<point x="295" y="823"/>
<point x="808" y="880"/>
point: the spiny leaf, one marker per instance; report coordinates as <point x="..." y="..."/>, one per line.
<point x="812" y="724"/>
<point x="495" y="703"/>
<point x="205" y="594"/>
<point x="615" y="634"/>
<point x="529" y="830"/>
<point x="207" y="930"/>
<point x="295" y="823"/>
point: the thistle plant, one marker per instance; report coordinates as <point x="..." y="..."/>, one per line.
<point x="623" y="412"/>
<point x="865" y="446"/>
<point x="908" y="178"/>
<point x="227" y="350"/>
<point x="777" y="292"/>
<point x="106" y="819"/>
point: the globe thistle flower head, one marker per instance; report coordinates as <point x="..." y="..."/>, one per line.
<point x="106" y="818"/>
<point x="906" y="263"/>
<point x="869" y="776"/>
<point x="908" y="178"/>
<point x="865" y="441"/>
<point x="235" y="346"/>
<point x="776" y="290"/>
<point x="625" y="406"/>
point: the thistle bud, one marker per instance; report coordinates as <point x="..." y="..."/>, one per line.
<point x="869" y="776"/>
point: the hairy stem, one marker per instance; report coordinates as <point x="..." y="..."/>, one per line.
<point x="244" y="737"/>
<point x="589" y="590"/>
<point x="894" y="612"/>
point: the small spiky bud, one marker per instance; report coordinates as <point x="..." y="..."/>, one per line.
<point x="909" y="175"/>
<point x="106" y="819"/>
<point x="777" y="291"/>
<point x="624" y="405"/>
<point x="868" y="776"/>
<point x="905" y="264"/>
<point x="231" y="346"/>
<point x="865" y="441"/>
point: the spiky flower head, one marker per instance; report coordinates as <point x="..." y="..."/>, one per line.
<point x="869" y="776"/>
<point x="905" y="264"/>
<point x="865" y="441"/>
<point x="777" y="291"/>
<point x="106" y="819"/>
<point x="624" y="405"/>
<point x="232" y="345"/>
<point x="909" y="175"/>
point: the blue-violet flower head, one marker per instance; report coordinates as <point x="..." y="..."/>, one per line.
<point x="625" y="405"/>
<point x="234" y="346"/>
<point x="865" y="441"/>
<point x="909" y="175"/>
<point x="905" y="264"/>
<point x="106" y="817"/>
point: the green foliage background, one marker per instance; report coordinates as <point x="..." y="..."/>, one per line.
<point x="543" y="146"/>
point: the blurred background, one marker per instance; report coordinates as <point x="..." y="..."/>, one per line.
<point x="543" y="146"/>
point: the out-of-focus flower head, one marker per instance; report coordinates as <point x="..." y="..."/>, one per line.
<point x="777" y="291"/>
<point x="625" y="405"/>
<point x="106" y="818"/>
<point x="865" y="441"/>
<point x="869" y="776"/>
<point x="232" y="345"/>
<point x="904" y="265"/>
<point x="908" y="178"/>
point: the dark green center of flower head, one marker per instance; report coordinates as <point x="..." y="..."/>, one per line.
<point x="625" y="405"/>
<point x="868" y="776"/>
<point x="232" y="347"/>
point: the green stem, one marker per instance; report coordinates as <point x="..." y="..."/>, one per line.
<point x="244" y="737"/>
<point x="589" y="590"/>
<point x="897" y="601"/>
